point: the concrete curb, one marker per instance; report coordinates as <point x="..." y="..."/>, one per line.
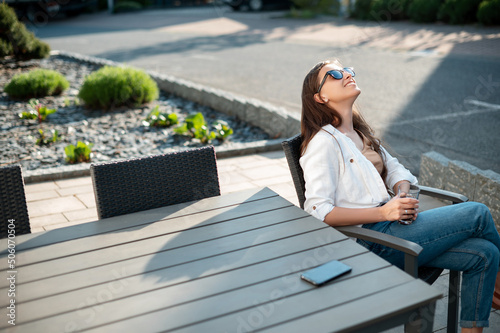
<point x="276" y="122"/>
<point x="461" y="177"/>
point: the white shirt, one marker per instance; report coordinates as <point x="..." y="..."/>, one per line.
<point x="338" y="174"/>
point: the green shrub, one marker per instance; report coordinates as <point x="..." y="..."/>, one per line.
<point x="361" y="9"/>
<point x="307" y="8"/>
<point x="489" y="12"/>
<point x="459" y="11"/>
<point x="5" y="48"/>
<point x="126" y="6"/>
<point x="388" y="10"/>
<point x="16" y="40"/>
<point x="82" y="152"/>
<point x="301" y="13"/>
<point x="424" y="10"/>
<point x="111" y="87"/>
<point x="36" y="83"/>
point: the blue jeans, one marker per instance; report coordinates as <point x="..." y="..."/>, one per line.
<point x="459" y="237"/>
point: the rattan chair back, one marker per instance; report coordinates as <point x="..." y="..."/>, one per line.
<point x="13" y="208"/>
<point x="129" y="186"/>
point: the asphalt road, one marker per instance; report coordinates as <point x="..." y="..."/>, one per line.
<point x="441" y="99"/>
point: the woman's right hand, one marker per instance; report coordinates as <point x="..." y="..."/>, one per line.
<point x="400" y="208"/>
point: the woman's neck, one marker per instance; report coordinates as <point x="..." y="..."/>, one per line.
<point x="345" y="112"/>
<point x="346" y="127"/>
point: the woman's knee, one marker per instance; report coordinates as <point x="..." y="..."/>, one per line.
<point x="479" y="208"/>
<point x="479" y="255"/>
<point x="490" y="253"/>
<point x="480" y="211"/>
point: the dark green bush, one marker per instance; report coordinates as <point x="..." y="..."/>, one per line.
<point x="5" y="48"/>
<point x="36" y="83"/>
<point x="488" y="12"/>
<point x="424" y="10"/>
<point x="361" y="9"/>
<point x="388" y="10"/>
<point x="126" y="6"/>
<point x="16" y="40"/>
<point x="459" y="11"/>
<point x="111" y="87"/>
<point x="312" y="8"/>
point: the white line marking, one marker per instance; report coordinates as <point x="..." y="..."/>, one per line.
<point x="486" y="105"/>
<point x="489" y="108"/>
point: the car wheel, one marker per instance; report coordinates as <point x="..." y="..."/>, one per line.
<point x="256" y="5"/>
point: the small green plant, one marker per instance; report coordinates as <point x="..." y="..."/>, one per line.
<point x="196" y="127"/>
<point x="16" y="40"/>
<point x="222" y="129"/>
<point x="45" y="139"/>
<point x="157" y="118"/>
<point x="111" y="87"/>
<point x="82" y="152"/>
<point x="37" y="111"/>
<point x="36" y="83"/>
<point x="488" y="12"/>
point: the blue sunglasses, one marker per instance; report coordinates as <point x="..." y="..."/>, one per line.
<point x="337" y="74"/>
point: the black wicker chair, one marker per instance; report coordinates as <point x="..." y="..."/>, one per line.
<point x="411" y="250"/>
<point x="129" y="186"/>
<point x="13" y="209"/>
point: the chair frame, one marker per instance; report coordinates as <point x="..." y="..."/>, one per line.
<point x="128" y="186"/>
<point x="411" y="250"/>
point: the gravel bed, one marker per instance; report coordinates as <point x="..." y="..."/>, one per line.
<point x="117" y="134"/>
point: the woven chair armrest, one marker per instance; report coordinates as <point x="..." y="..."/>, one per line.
<point x="407" y="247"/>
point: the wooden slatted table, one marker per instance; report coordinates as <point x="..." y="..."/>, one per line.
<point x="223" y="264"/>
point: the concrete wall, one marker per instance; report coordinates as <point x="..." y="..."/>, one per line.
<point x="478" y="185"/>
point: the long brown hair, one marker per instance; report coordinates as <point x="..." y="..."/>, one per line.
<point x="316" y="115"/>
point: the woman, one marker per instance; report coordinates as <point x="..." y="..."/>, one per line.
<point x="348" y="177"/>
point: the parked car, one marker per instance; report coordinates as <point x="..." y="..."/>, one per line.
<point x="40" y="11"/>
<point x="256" y="5"/>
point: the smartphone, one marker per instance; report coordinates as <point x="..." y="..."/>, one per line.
<point x="326" y="272"/>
